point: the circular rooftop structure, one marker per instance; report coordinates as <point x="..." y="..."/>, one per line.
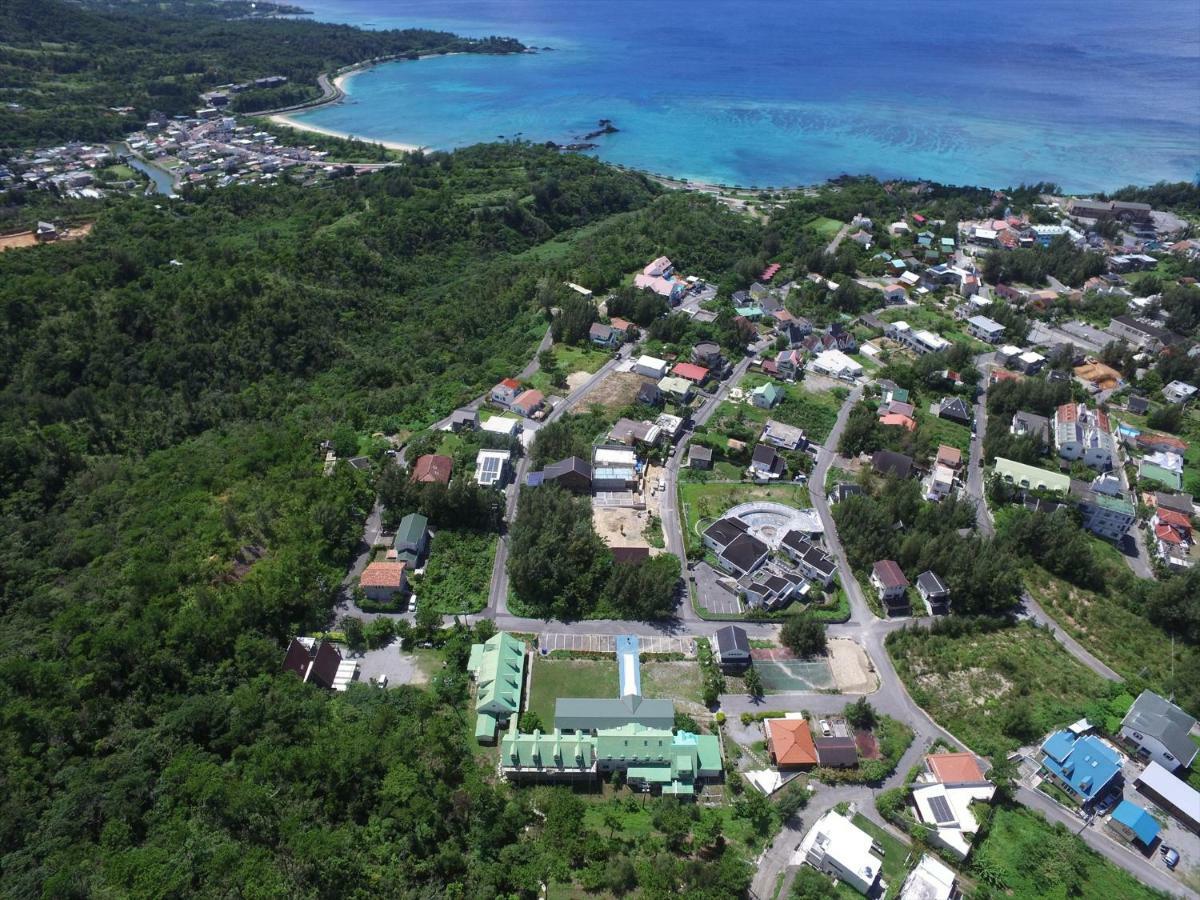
<point x="769" y="522"/>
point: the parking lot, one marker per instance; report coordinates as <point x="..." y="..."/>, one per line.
<point x="606" y="643"/>
<point x="713" y="593"/>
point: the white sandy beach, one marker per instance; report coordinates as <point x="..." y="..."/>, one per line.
<point x="283" y="119"/>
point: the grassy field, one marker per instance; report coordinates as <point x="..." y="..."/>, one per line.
<point x="814" y="411"/>
<point x="943" y="431"/>
<point x="699" y="500"/>
<point x="554" y="678"/>
<point x="895" y="854"/>
<point x="458" y="572"/>
<point x="569" y="359"/>
<point x="939" y="323"/>
<point x="825" y="227"/>
<point x="1116" y="633"/>
<point x="994" y="690"/>
<point x="1023" y="855"/>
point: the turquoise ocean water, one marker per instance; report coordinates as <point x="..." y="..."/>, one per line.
<point x="1092" y="95"/>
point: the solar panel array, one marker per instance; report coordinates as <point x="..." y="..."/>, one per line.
<point x="941" y="810"/>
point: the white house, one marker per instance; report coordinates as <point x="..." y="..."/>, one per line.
<point x="835" y="364"/>
<point x="985" y="329"/>
<point x="1178" y="392"/>
<point x="1158" y="730"/>
<point x="930" y="880"/>
<point x="943" y="794"/>
<point x="491" y="467"/>
<point x="1082" y="433"/>
<point x="650" y="366"/>
<point x="837" y="847"/>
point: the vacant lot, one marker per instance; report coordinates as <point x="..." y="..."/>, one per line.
<point x="1107" y="625"/>
<point x="996" y="690"/>
<point x="1023" y="855"/>
<point x="825" y="227"/>
<point x="815" y="411"/>
<point x="458" y="572"/>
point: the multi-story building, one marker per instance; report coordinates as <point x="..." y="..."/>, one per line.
<point x="1082" y="433"/>
<point x="1108" y="516"/>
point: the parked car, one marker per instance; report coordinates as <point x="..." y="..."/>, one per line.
<point x="1170" y="856"/>
<point x="1106" y="803"/>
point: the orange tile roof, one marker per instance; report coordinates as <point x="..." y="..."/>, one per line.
<point x="1168" y="534"/>
<point x="511" y="383"/>
<point x="950" y="456"/>
<point x="383" y="574"/>
<point x="529" y="400"/>
<point x="433" y="468"/>
<point x="954" y="768"/>
<point x="619" y="324"/>
<point x="690" y="371"/>
<point x="1172" y="517"/>
<point x="897" y="419"/>
<point x="791" y="742"/>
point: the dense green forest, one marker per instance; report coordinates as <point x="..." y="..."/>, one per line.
<point x="163" y="387"/>
<point x="67" y="65"/>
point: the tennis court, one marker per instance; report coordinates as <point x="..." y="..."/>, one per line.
<point x="783" y="676"/>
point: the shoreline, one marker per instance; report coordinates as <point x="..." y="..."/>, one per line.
<point x="287" y="121"/>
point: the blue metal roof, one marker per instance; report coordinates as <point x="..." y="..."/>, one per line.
<point x="1086" y="767"/>
<point x="534" y="479"/>
<point x="1137" y="820"/>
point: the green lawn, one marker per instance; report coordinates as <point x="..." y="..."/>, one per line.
<point x="554" y="678"/>
<point x="458" y="572"/>
<point x="995" y="690"/>
<point x="939" y="323"/>
<point x="1023" y="855"/>
<point x="814" y="411"/>
<point x="569" y="359"/>
<point x="943" y="431"/>
<point x="895" y="853"/>
<point x="702" y="501"/>
<point x="824" y="227"/>
<point x="673" y="680"/>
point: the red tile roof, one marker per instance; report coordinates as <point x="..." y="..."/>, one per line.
<point x="383" y="574"/>
<point x="531" y="399"/>
<point x="619" y="324"/>
<point x="1068" y="412"/>
<point x="1172" y="517"/>
<point x="1167" y="534"/>
<point x="955" y="768"/>
<point x="889" y="574"/>
<point x="897" y="419"/>
<point x="510" y="383"/>
<point x="433" y="468"/>
<point x="950" y="456"/>
<point x="791" y="742"/>
<point x="690" y="371"/>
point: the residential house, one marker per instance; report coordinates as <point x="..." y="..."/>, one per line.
<point x="412" y="538"/>
<point x="934" y="592"/>
<point x="491" y="467"/>
<point x="895" y="293"/>
<point x="1141" y="333"/>
<point x="811" y="560"/>
<point x="890" y="584"/>
<point x="314" y="662"/>
<point x="743" y="554"/>
<point x="1131" y="823"/>
<point x="707" y="353"/>
<point x="766" y="464"/>
<point x="835" y="846"/>
<point x="659" y="277"/>
<point x="835" y="364"/>
<point x="1027" y="424"/>
<point x="789" y="364"/>
<point x="572" y="474"/>
<point x="1181" y="503"/>
<point x="603" y="335"/>
<point x="699" y="457"/>
<point x="678" y="389"/>
<point x="614" y="469"/>
<point x="733" y="647"/>
<point x="432" y="468"/>
<point x="785" y="437"/>
<point x="464" y="420"/>
<point x="943" y="794"/>
<point x="765" y="396"/>
<point x="528" y="403"/>
<point x="669" y="427"/>
<point x="1082" y="765"/>
<point x="1031" y="477"/>
<point x="985" y="329"/>
<point x="498" y="668"/>
<point x="898" y="421"/>
<point x="1171" y="794"/>
<point x="650" y="366"/>
<point x="1109" y="517"/>
<point x="920" y="341"/>
<point x="1159" y="475"/>
<point x="1147" y="441"/>
<point x="769" y="589"/>
<point x="382" y="580"/>
<point x="1139" y="406"/>
<point x="629" y="432"/>
<point x="790" y="743"/>
<point x="889" y="462"/>
<point x="955" y="409"/>
<point x="1173" y="537"/>
<point x="506" y="391"/>
<point x="692" y="372"/>
<point x="1082" y="433"/>
<point x="844" y="490"/>
<point x="948" y="456"/>
<point x="1178" y="392"/>
<point x="930" y="879"/>
<point x="649" y="394"/>
<point x="1157" y="730"/>
<point x="505" y="425"/>
<point x="620" y="327"/>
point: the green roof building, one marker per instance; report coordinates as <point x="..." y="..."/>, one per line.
<point x="498" y="666"/>
<point x="411" y="538"/>
<point x="1159" y="475"/>
<point x="1031" y="477"/>
<point x="765" y="396"/>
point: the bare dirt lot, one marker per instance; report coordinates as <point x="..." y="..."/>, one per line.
<point x="575" y="379"/>
<point x="852" y="669"/>
<point x="621" y="527"/>
<point x="26" y="238"/>
<point x="616" y="391"/>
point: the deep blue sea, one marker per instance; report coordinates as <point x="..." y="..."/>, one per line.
<point x="1092" y="94"/>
